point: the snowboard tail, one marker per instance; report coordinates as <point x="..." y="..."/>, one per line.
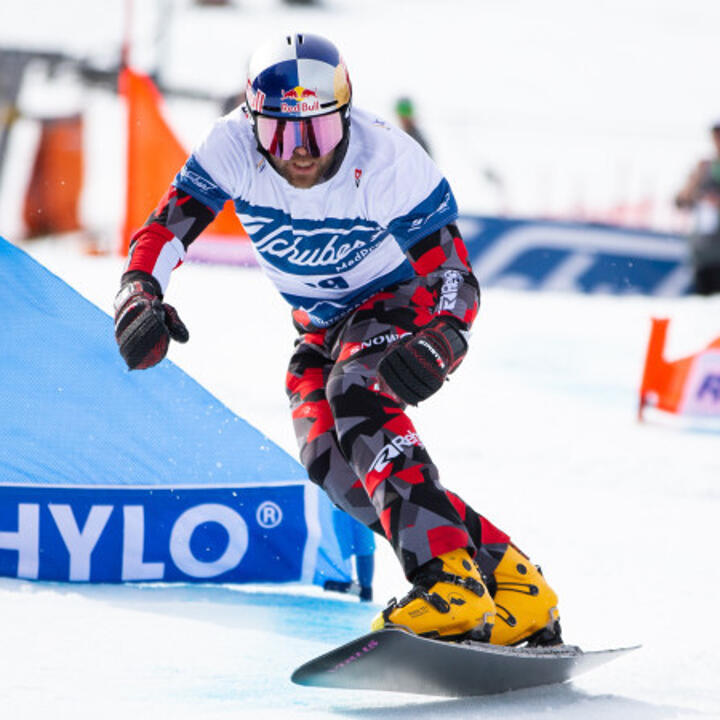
<point x="395" y="660"/>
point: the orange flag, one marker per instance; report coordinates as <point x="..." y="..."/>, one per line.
<point x="52" y="200"/>
<point x="154" y="156"/>
<point x="688" y="386"/>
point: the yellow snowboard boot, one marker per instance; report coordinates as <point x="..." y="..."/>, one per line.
<point x="526" y="606"/>
<point x="448" y="601"/>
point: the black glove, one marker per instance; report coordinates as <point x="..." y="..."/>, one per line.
<point x="415" y="367"/>
<point x="144" y="324"/>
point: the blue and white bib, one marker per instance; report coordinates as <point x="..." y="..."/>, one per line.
<point x="330" y="247"/>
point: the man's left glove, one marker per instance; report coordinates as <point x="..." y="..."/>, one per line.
<point x="415" y="368"/>
<point x="144" y="324"/>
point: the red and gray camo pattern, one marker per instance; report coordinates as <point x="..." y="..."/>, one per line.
<point x="357" y="443"/>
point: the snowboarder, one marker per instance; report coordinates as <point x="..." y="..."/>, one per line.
<point x="355" y="225"/>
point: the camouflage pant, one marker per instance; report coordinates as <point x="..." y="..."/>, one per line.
<point x="357" y="443"/>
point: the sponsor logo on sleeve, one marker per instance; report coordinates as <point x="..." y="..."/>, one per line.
<point x="452" y="280"/>
<point x="420" y="222"/>
<point x="200" y="181"/>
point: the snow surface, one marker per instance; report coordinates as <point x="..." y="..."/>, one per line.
<point x="537" y="430"/>
<point x="562" y="98"/>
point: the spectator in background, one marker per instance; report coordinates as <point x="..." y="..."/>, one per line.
<point x="355" y="540"/>
<point x="405" y="111"/>
<point x="701" y="194"/>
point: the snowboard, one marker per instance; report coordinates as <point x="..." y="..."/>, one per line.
<point x="399" y="661"/>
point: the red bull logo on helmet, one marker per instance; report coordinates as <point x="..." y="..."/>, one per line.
<point x="299" y="100"/>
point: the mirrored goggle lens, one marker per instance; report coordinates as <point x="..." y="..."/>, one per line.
<point x="318" y="135"/>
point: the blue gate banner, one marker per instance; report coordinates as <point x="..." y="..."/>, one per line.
<point x="108" y="475"/>
<point x="578" y="257"/>
<point x="128" y="534"/>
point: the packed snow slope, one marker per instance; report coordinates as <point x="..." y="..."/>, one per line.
<point x="537" y="429"/>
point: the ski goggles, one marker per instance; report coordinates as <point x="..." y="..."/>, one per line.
<point x="318" y="135"/>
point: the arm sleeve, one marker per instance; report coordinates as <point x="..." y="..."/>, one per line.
<point x="433" y="212"/>
<point x="213" y="174"/>
<point x="161" y="244"/>
<point x="442" y="254"/>
<point x="410" y="197"/>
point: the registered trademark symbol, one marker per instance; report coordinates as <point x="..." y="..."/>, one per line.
<point x="269" y="514"/>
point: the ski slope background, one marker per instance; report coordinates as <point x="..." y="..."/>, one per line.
<point x="537" y="430"/>
<point x="553" y="108"/>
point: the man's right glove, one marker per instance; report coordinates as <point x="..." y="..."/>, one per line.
<point x="144" y="324"/>
<point x="415" y="367"/>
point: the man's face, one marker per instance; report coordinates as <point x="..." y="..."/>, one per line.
<point x="301" y="150"/>
<point x="302" y="170"/>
